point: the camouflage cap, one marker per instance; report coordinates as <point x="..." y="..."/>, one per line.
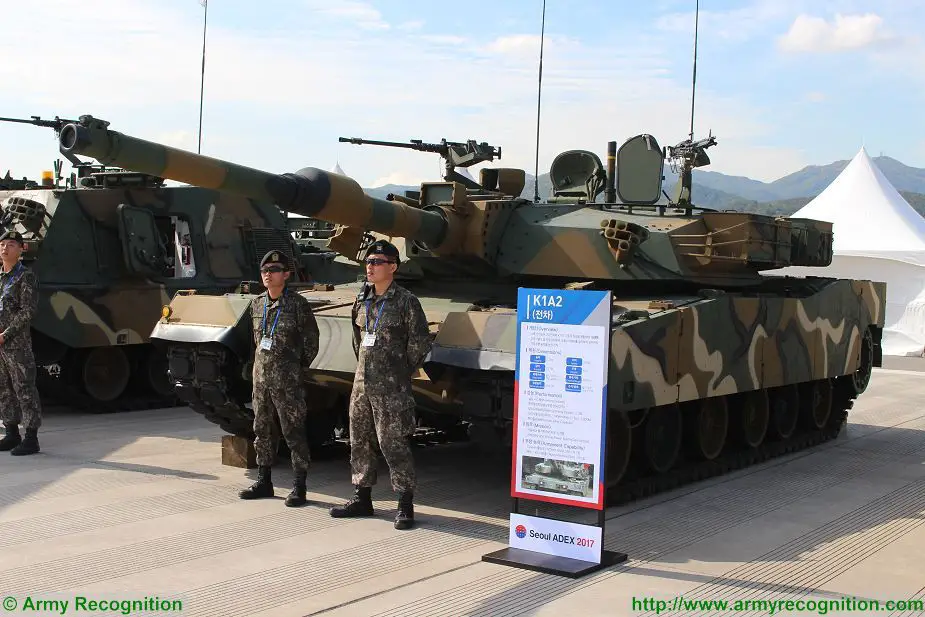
<point x="12" y="234"/>
<point x="275" y="257"/>
<point x="384" y="248"/>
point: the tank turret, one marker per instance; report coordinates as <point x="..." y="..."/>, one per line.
<point x="489" y="229"/>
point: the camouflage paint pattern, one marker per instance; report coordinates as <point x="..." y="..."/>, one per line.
<point x="695" y="317"/>
<point x="381" y="403"/>
<point x="311" y="192"/>
<point x="19" y="398"/>
<point x="92" y="298"/>
<point x="277" y="386"/>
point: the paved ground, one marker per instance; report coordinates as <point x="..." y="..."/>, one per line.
<point x="138" y="504"/>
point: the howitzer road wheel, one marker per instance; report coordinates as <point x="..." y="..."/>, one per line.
<point x="663" y="433"/>
<point x="785" y="411"/>
<point x="753" y="417"/>
<point x="105" y="373"/>
<point x="710" y="424"/>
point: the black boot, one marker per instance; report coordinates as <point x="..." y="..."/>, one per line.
<point x="263" y="487"/>
<point x="29" y="445"/>
<point x="360" y="505"/>
<point x="405" y="517"/>
<point x="11" y="439"/>
<point x="297" y="496"/>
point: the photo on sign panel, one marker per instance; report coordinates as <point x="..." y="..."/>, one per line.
<point x="557" y="476"/>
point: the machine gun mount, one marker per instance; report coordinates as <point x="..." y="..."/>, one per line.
<point x="454" y="153"/>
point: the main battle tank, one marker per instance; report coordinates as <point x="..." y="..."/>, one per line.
<point x="714" y="365"/>
<point x="110" y="247"/>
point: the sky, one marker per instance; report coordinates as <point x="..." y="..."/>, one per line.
<point x="782" y="84"/>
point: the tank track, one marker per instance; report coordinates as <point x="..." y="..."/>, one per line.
<point x="211" y="393"/>
<point x="688" y="472"/>
<point x="208" y="381"/>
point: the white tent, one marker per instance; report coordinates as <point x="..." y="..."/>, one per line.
<point x="877" y="236"/>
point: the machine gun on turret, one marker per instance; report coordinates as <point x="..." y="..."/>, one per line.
<point x="454" y="154"/>
<point x="57" y="124"/>
<point x="684" y="157"/>
<point x="86" y="173"/>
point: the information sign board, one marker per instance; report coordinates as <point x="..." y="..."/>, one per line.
<point x="560" y="396"/>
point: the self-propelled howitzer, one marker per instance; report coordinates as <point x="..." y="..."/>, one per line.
<point x="713" y="365"/>
<point x="310" y="192"/>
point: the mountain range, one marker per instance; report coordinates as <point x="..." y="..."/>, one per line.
<point x="783" y="196"/>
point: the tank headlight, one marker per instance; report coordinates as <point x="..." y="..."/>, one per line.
<point x="166" y="312"/>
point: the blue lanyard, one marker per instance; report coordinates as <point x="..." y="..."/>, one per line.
<point x="378" y="315"/>
<point x="11" y="280"/>
<point x="263" y="328"/>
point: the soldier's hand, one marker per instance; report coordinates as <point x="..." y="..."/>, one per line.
<point x="1" y="338"/>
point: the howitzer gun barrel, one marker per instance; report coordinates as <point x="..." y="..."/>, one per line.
<point x="310" y="192"/>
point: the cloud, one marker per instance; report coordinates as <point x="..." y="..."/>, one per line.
<point x="415" y="24"/>
<point x="444" y="39"/>
<point x="398" y="177"/>
<point x="734" y="25"/>
<point x="185" y="140"/>
<point x="278" y="92"/>
<point x="362" y="14"/>
<point x="815" y="97"/>
<point x="845" y="33"/>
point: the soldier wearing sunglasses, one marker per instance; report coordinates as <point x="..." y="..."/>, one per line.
<point x="286" y="336"/>
<point x="391" y="340"/>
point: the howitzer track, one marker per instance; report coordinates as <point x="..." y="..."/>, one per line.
<point x="211" y="394"/>
<point x="54" y="390"/>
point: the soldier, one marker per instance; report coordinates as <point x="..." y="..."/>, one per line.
<point x="286" y="337"/>
<point x="19" y="398"/>
<point x="394" y="342"/>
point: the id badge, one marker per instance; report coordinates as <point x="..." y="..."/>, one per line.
<point x="369" y="339"/>
<point x="266" y="343"/>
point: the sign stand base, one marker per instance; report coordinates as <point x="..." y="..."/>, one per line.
<point x="552" y="564"/>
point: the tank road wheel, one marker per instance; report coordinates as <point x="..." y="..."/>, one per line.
<point x="861" y="377"/>
<point x="105" y="373"/>
<point x="662" y="437"/>
<point x="816" y="403"/>
<point x="619" y="445"/>
<point x="753" y="417"/>
<point x="785" y="411"/>
<point x="711" y="423"/>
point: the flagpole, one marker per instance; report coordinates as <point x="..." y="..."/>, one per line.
<point x="202" y="82"/>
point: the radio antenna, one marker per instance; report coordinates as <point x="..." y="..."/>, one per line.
<point x="539" y="90"/>
<point x="694" y="81"/>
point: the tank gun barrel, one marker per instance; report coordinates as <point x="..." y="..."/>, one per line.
<point x="310" y="192"/>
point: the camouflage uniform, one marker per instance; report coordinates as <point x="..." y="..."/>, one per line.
<point x="278" y="375"/>
<point x="290" y="326"/>
<point x="19" y="398"/>
<point x="381" y="404"/>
